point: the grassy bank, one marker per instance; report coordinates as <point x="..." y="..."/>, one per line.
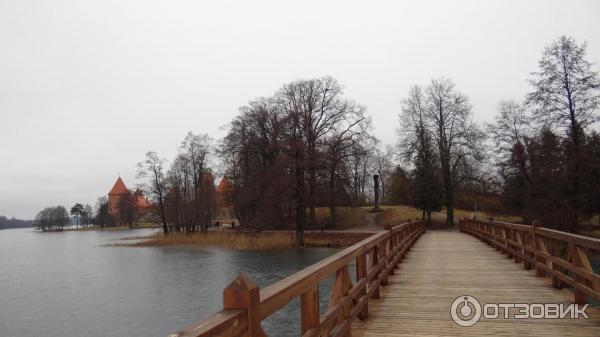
<point x="246" y="240"/>
<point x="353" y="217"/>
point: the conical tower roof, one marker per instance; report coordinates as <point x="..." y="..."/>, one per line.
<point x="119" y="187"/>
<point x="225" y="185"/>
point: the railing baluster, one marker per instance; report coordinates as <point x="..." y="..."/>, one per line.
<point x="541" y="248"/>
<point x="519" y="240"/>
<point x="555" y="252"/>
<point x="526" y="253"/>
<point x="383" y="248"/>
<point x="374" y="263"/>
<point x="309" y="309"/>
<point x="509" y="246"/>
<point x="341" y="287"/>
<point x="361" y="273"/>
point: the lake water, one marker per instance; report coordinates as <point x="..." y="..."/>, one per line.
<point x="67" y="284"/>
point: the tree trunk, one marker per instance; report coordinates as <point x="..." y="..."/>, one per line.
<point x="300" y="204"/>
<point x="450" y="209"/>
<point x="162" y="216"/>
<point x="312" y="186"/>
<point x="428" y="218"/>
<point x="332" y="198"/>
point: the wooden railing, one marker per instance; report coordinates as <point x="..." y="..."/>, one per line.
<point x="555" y="254"/>
<point x="245" y="306"/>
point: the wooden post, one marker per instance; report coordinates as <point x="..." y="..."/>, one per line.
<point x="391" y="251"/>
<point x="309" y="308"/>
<point x="243" y="293"/>
<point x="374" y="260"/>
<point x="504" y="241"/>
<point x="555" y="252"/>
<point x="518" y="235"/>
<point x="526" y="240"/>
<point x="340" y="288"/>
<point x="539" y="247"/>
<point x="384" y="255"/>
<point x="361" y="273"/>
<point x="580" y="259"/>
<point x="509" y="246"/>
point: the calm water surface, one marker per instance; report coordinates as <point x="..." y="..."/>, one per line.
<point x="68" y="285"/>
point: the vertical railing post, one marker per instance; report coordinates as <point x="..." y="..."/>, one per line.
<point x="509" y="246"/>
<point x="539" y="247"/>
<point x="374" y="261"/>
<point x="526" y="253"/>
<point x="555" y="252"/>
<point x="383" y="251"/>
<point x="244" y="293"/>
<point x="340" y="288"/>
<point x="392" y="253"/>
<point x="309" y="308"/>
<point x="579" y="259"/>
<point x="361" y="273"/>
<point x="517" y="238"/>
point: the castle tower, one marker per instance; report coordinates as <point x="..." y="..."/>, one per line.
<point x="225" y="193"/>
<point x="115" y="194"/>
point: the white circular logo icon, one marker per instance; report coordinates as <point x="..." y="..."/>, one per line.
<point x="466" y="310"/>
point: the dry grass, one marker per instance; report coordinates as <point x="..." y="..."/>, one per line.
<point x="245" y="240"/>
<point x="352" y="217"/>
<point x="395" y="215"/>
<point x="460" y="213"/>
<point x="222" y="239"/>
<point x="346" y="217"/>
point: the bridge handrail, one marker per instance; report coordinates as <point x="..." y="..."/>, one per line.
<point x="245" y="306"/>
<point x="564" y="257"/>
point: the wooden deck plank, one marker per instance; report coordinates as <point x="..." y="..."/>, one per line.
<point x="446" y="264"/>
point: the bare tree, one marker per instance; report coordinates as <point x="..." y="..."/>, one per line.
<point x="102" y="217"/>
<point x="281" y="152"/>
<point x="197" y="149"/>
<point x="511" y="126"/>
<point x="416" y="144"/>
<point x="87" y="215"/>
<point x="52" y="218"/>
<point x="341" y="145"/>
<point x="456" y="136"/>
<point x="152" y="168"/>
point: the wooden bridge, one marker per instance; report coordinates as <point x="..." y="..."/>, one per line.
<point x="395" y="292"/>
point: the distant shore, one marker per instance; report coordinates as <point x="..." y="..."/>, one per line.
<point x="114" y="228"/>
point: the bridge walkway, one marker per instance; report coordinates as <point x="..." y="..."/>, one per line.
<point x="444" y="265"/>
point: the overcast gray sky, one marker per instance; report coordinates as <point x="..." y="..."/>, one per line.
<point x="87" y="87"/>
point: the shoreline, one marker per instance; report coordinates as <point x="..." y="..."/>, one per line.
<point x="247" y="240"/>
